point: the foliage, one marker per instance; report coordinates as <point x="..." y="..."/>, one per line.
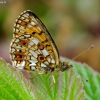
<point x="13" y="86"/>
<point x="68" y="86"/>
<point x="92" y="87"/>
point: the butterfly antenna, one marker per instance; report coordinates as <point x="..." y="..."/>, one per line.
<point x="83" y="52"/>
<point x="80" y="55"/>
<point x="81" y="75"/>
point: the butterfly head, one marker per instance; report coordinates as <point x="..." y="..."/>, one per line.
<point x="65" y="66"/>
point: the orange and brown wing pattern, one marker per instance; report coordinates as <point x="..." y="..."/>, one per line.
<point x="32" y="47"/>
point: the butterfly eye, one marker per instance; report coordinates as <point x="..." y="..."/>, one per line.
<point x="65" y="66"/>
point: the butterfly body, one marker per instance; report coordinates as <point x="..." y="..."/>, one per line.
<point x="33" y="48"/>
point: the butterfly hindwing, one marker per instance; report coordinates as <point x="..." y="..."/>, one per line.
<point x="32" y="47"/>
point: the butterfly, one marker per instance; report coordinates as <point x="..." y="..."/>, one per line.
<point x="32" y="47"/>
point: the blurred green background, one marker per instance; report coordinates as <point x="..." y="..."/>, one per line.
<point x="73" y="24"/>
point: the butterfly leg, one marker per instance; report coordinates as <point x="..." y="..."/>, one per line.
<point x="53" y="79"/>
<point x="52" y="84"/>
<point x="38" y="75"/>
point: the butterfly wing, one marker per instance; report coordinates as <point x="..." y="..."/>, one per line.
<point x="32" y="47"/>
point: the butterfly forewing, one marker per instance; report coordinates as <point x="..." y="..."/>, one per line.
<point x="32" y="47"/>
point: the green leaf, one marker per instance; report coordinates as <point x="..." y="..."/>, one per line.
<point x="92" y="87"/>
<point x="13" y="86"/>
<point x="68" y="86"/>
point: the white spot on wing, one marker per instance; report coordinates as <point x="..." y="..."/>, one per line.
<point x="45" y="53"/>
<point x="22" y="18"/>
<point x="35" y="40"/>
<point x="33" y="68"/>
<point x="29" y="26"/>
<point x="27" y="20"/>
<point x="16" y="25"/>
<point x="32" y="23"/>
<point x="33" y="58"/>
<point x="13" y="56"/>
<point x="17" y="40"/>
<point x="46" y="63"/>
<point x="26" y="15"/>
<point x="27" y="35"/>
<point x="21" y="28"/>
<point x="16" y="30"/>
<point x="21" y="66"/>
<point x="34" y="20"/>
<point x="14" y="45"/>
<point x="21" y="37"/>
<point x="33" y="63"/>
<point x="33" y="53"/>
<point x="39" y="51"/>
<point x="12" y="50"/>
<point x="19" y="21"/>
<point x="31" y="43"/>
<point x="43" y="65"/>
<point x="49" y="60"/>
<point x="52" y="61"/>
<point x="13" y="29"/>
<point x="14" y="63"/>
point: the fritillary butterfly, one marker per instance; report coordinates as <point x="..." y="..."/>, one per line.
<point x="32" y="47"/>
